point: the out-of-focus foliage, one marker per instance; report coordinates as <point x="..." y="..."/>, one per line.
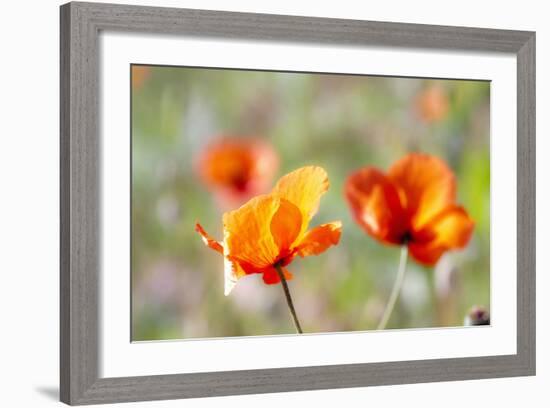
<point x="338" y="122"/>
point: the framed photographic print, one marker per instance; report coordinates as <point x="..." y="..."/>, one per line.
<point x="242" y="192"/>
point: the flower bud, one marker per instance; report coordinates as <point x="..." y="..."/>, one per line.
<point x="477" y="316"/>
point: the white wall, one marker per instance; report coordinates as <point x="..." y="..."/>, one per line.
<point x="29" y="202"/>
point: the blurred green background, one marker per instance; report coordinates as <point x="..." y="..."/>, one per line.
<point x="339" y="122"/>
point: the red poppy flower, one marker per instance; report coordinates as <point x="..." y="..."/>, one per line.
<point x="140" y="73"/>
<point x="269" y="231"/>
<point x="413" y="204"/>
<point x="432" y="104"/>
<point x="236" y="169"/>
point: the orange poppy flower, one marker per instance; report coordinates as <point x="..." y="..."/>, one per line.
<point x="270" y="230"/>
<point x="413" y="204"/>
<point x="432" y="104"/>
<point x="237" y="169"/>
<point x="140" y="73"/>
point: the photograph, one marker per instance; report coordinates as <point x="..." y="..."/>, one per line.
<point x="280" y="203"/>
<point x="275" y="204"/>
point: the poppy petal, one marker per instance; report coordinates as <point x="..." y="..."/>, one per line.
<point x="208" y="240"/>
<point x="426" y="186"/>
<point x="247" y="232"/>
<point x="319" y="239"/>
<point x="233" y="271"/>
<point x="451" y="229"/>
<point x="271" y="276"/>
<point x="375" y="205"/>
<point x="303" y="188"/>
<point x="286" y="225"/>
<point x="265" y="164"/>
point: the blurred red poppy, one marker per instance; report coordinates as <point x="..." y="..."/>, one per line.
<point x="413" y="204"/>
<point x="236" y="169"/>
<point x="140" y="73"/>
<point x="432" y="104"/>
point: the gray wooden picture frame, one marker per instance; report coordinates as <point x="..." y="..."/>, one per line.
<point x="81" y="24"/>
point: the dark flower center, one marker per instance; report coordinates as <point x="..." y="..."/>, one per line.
<point x="406" y="238"/>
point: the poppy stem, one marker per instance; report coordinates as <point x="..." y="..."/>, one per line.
<point x="288" y="298"/>
<point x="396" y="288"/>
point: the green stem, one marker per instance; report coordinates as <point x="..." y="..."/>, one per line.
<point x="288" y="298"/>
<point x="396" y="288"/>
